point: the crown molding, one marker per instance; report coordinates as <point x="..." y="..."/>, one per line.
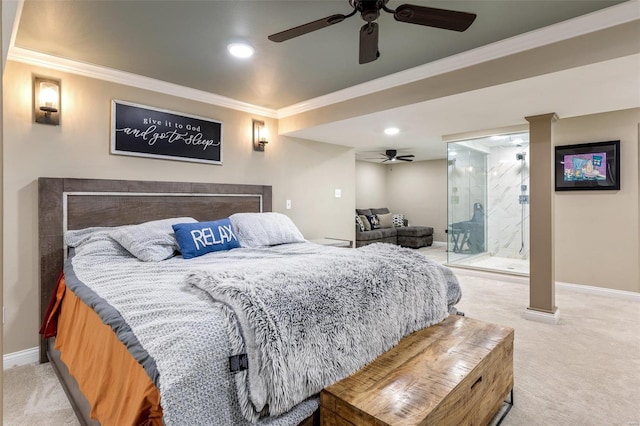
<point x="31" y="57"/>
<point x="606" y="18"/>
<point x="592" y="22"/>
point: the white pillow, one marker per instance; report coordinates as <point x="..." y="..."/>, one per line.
<point x="398" y="220"/>
<point x="265" y="229"/>
<point x="150" y="241"/>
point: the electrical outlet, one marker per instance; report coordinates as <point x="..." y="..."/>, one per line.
<point x="288" y="204"/>
<point x="338" y="193"/>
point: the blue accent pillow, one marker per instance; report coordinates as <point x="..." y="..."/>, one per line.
<point x="374" y="221"/>
<point x="196" y="239"/>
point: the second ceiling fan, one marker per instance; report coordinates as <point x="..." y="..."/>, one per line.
<point x="392" y="155"/>
<point x="370" y="11"/>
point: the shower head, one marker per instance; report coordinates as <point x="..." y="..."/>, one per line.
<point x="520" y="155"/>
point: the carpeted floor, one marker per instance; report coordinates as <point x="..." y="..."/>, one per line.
<point x="583" y="371"/>
<point x="33" y="396"/>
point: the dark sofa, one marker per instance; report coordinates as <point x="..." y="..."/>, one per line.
<point x="406" y="236"/>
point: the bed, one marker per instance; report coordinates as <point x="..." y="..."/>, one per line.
<point x="76" y="204"/>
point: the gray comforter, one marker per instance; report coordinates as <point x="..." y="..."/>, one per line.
<point x="184" y="338"/>
<point x="310" y="320"/>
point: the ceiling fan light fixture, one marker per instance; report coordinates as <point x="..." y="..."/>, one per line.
<point x="390" y="131"/>
<point x="240" y="50"/>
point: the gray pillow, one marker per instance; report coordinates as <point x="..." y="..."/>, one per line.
<point x="94" y="241"/>
<point x="265" y="229"/>
<point x="150" y="241"/>
<point x="383" y="210"/>
<point x="364" y="212"/>
<point x="386" y="220"/>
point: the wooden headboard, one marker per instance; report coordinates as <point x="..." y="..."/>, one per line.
<point x="67" y="204"/>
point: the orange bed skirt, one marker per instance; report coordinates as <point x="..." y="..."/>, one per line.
<point x="115" y="384"/>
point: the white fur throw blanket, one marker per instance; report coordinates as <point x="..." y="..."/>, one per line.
<point x="310" y="320"/>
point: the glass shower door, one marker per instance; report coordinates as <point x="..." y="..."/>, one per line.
<point x="467" y="194"/>
<point x="488" y="203"/>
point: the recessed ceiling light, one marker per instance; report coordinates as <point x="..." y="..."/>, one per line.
<point x="240" y="50"/>
<point x="391" y="131"/>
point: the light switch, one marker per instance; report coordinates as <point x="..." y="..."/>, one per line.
<point x="288" y="204"/>
<point x="338" y="193"/>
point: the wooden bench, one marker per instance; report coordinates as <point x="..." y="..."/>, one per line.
<point x="457" y="372"/>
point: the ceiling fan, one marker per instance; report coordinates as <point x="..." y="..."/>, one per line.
<point x="370" y="11"/>
<point x="392" y="155"/>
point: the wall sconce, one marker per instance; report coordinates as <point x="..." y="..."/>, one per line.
<point x="259" y="135"/>
<point x="46" y="100"/>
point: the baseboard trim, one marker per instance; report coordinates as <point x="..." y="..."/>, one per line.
<point x="524" y="279"/>
<point x="483" y="273"/>
<point x="439" y="244"/>
<point x="16" y="359"/>
<point x="545" y="317"/>
<point x="600" y="291"/>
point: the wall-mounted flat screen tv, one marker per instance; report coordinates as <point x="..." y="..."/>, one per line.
<point x="588" y="166"/>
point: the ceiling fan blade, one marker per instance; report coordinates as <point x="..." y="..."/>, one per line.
<point x="306" y="28"/>
<point x="432" y="17"/>
<point x="399" y="157"/>
<point x="369" y="43"/>
<point x="403" y="159"/>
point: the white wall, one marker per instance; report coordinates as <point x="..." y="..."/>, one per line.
<point x="419" y="191"/>
<point x="371" y="185"/>
<point x="305" y="172"/>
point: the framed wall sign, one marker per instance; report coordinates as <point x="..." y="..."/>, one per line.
<point x="588" y="166"/>
<point x="144" y="131"/>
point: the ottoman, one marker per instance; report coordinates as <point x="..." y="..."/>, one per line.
<point x="415" y="236"/>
